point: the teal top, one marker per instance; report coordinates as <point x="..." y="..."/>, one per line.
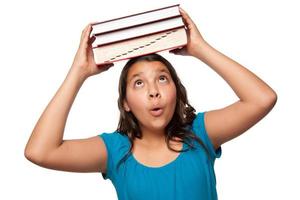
<point x="190" y="176"/>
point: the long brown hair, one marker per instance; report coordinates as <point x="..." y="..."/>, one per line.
<point x="182" y="119"/>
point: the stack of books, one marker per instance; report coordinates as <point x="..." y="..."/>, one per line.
<point x="139" y="34"/>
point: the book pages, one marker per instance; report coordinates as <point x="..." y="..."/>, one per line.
<point x="140" y="46"/>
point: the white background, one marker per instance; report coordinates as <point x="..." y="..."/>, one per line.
<point x="37" y="45"/>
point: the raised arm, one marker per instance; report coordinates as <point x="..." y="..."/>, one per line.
<point x="256" y="98"/>
<point x="46" y="146"/>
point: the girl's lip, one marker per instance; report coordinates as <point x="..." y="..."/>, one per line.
<point x="156" y="112"/>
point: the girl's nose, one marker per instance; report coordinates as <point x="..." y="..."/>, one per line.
<point x="153" y="91"/>
<point x="154" y="94"/>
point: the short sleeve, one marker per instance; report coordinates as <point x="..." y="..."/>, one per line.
<point x="108" y="141"/>
<point x="200" y="130"/>
<point x="116" y="145"/>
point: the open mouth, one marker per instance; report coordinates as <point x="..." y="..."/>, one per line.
<point x="156" y="112"/>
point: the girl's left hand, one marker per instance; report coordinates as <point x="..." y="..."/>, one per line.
<point x="194" y="37"/>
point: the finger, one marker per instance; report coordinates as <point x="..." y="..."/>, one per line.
<point x="105" y="66"/>
<point x="175" y="51"/>
<point x="84" y="32"/>
<point x="87" y="33"/>
<point x="91" y="39"/>
<point x="187" y="18"/>
<point x="182" y="10"/>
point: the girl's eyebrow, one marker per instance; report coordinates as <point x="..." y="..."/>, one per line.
<point x="164" y="70"/>
<point x="135" y="75"/>
<point x="138" y="74"/>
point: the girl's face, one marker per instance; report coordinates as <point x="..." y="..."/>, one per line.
<point x="151" y="95"/>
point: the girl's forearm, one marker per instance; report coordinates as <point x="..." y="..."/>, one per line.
<point x="247" y="86"/>
<point x="48" y="132"/>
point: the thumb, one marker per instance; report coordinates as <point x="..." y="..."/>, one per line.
<point x="176" y="51"/>
<point x="91" y="40"/>
<point x="105" y="67"/>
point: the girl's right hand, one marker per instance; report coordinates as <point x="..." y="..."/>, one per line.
<point x="84" y="62"/>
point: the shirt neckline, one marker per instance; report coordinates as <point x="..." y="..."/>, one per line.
<point x="159" y="167"/>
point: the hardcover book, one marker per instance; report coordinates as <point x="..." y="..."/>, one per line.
<point x="139" y="34"/>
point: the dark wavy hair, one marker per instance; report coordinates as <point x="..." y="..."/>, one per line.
<point x="180" y="124"/>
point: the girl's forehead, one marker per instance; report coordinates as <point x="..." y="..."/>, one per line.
<point x="146" y="67"/>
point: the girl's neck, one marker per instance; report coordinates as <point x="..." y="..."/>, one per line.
<point x="153" y="138"/>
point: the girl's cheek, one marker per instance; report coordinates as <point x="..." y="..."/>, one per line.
<point x="137" y="99"/>
<point x="171" y="92"/>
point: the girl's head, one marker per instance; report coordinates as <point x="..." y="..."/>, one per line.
<point x="151" y="97"/>
<point x="150" y="82"/>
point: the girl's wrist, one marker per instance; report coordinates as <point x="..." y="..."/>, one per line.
<point x="200" y="49"/>
<point x="77" y="73"/>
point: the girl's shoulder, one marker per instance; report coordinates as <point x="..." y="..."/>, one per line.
<point x="116" y="142"/>
<point x="114" y="138"/>
<point x="198" y="127"/>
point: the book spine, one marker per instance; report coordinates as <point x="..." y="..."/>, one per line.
<point x="136" y="19"/>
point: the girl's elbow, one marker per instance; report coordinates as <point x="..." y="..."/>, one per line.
<point x="269" y="100"/>
<point x="34" y="156"/>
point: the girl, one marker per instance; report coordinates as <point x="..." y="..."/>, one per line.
<point x="161" y="148"/>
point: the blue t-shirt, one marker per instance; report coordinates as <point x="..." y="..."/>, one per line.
<point x="190" y="176"/>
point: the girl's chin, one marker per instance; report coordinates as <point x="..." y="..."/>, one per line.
<point x="157" y="125"/>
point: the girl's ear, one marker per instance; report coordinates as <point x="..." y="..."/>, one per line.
<point x="126" y="107"/>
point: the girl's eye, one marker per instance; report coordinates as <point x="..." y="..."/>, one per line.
<point x="163" y="78"/>
<point x="138" y="83"/>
